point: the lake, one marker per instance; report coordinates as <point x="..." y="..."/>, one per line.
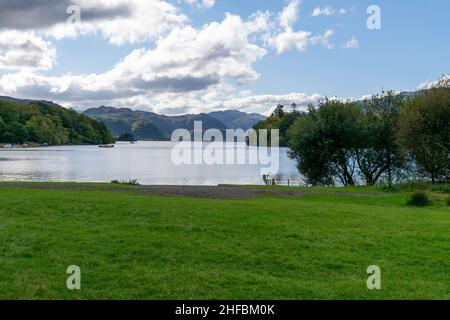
<point x="148" y="162"/>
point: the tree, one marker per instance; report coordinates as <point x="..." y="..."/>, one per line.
<point x="424" y="132"/>
<point x="8" y="137"/>
<point x="2" y="126"/>
<point x="323" y="142"/>
<point x="19" y="131"/>
<point x="283" y="124"/>
<point x="294" y="107"/>
<point x="47" y="130"/>
<point x="126" y="137"/>
<point x="377" y="151"/>
<point x="310" y="151"/>
<point x="279" y="111"/>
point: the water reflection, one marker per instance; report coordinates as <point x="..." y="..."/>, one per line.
<point x="148" y="162"/>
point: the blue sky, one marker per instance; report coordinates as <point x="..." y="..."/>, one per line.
<point x="410" y="48"/>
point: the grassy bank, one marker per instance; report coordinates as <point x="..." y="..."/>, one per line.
<point x="314" y="245"/>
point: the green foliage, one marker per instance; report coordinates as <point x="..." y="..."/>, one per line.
<point x="424" y="131"/>
<point x="339" y="139"/>
<point x="126" y="137"/>
<point x="279" y="111"/>
<point x="42" y="123"/>
<point x="441" y="187"/>
<point x="15" y="132"/>
<point x="2" y="126"/>
<point x="323" y="142"/>
<point x="377" y="150"/>
<point x="419" y="199"/>
<point x="126" y="183"/>
<point x="388" y="138"/>
<point x="281" y="121"/>
<point x="424" y="185"/>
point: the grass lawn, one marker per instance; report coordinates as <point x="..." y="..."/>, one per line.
<point x="131" y="246"/>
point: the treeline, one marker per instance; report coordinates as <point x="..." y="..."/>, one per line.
<point x="386" y="139"/>
<point x="42" y="123"/>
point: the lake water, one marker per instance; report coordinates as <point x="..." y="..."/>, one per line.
<point x="148" y="162"/>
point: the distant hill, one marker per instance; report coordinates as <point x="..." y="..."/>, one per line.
<point x="44" y="122"/>
<point x="27" y="101"/>
<point x="151" y="126"/>
<point x="234" y="119"/>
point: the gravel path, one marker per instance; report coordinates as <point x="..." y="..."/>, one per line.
<point x="202" y="192"/>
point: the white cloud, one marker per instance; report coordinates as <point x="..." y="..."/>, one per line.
<point x="260" y="22"/>
<point x="443" y="81"/>
<point x="289" y="15"/>
<point x="188" y="69"/>
<point x="202" y="3"/>
<point x="186" y="61"/>
<point x="327" y="11"/>
<point x="149" y="19"/>
<point x="119" y="21"/>
<point x="353" y="43"/>
<point x="289" y="39"/>
<point x="285" y="38"/>
<point x="187" y="52"/>
<point x="265" y="103"/>
<point x="323" y="39"/>
<point x="215" y="99"/>
<point x="25" y="50"/>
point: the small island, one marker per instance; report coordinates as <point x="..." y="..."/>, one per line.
<point x="126" y="137"/>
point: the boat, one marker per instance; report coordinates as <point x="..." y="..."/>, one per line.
<point x="108" y="146"/>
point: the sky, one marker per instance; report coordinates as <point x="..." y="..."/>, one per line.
<point x="190" y="56"/>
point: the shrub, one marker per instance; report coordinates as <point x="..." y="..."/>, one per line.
<point x="448" y="201"/>
<point x="133" y="183"/>
<point x="128" y="183"/>
<point x="419" y="199"/>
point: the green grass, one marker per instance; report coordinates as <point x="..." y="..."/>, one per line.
<point x="131" y="246"/>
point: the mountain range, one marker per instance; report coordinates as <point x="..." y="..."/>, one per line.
<point x="151" y="126"/>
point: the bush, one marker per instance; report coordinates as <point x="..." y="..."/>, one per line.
<point x="127" y="183"/>
<point x="419" y="199"/>
<point x="448" y="201"/>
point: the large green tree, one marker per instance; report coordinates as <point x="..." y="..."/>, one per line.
<point x="377" y="151"/>
<point x="16" y="133"/>
<point x="424" y="132"/>
<point x="310" y="151"/>
<point x="323" y="142"/>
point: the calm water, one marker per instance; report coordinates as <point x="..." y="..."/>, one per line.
<point x="148" y="162"/>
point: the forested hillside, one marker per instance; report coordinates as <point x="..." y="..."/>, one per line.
<point x="40" y="122"/>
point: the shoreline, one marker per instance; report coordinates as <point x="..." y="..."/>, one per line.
<point x="219" y="192"/>
<point x="7" y="146"/>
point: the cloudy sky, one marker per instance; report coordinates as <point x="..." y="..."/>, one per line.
<point x="190" y="56"/>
